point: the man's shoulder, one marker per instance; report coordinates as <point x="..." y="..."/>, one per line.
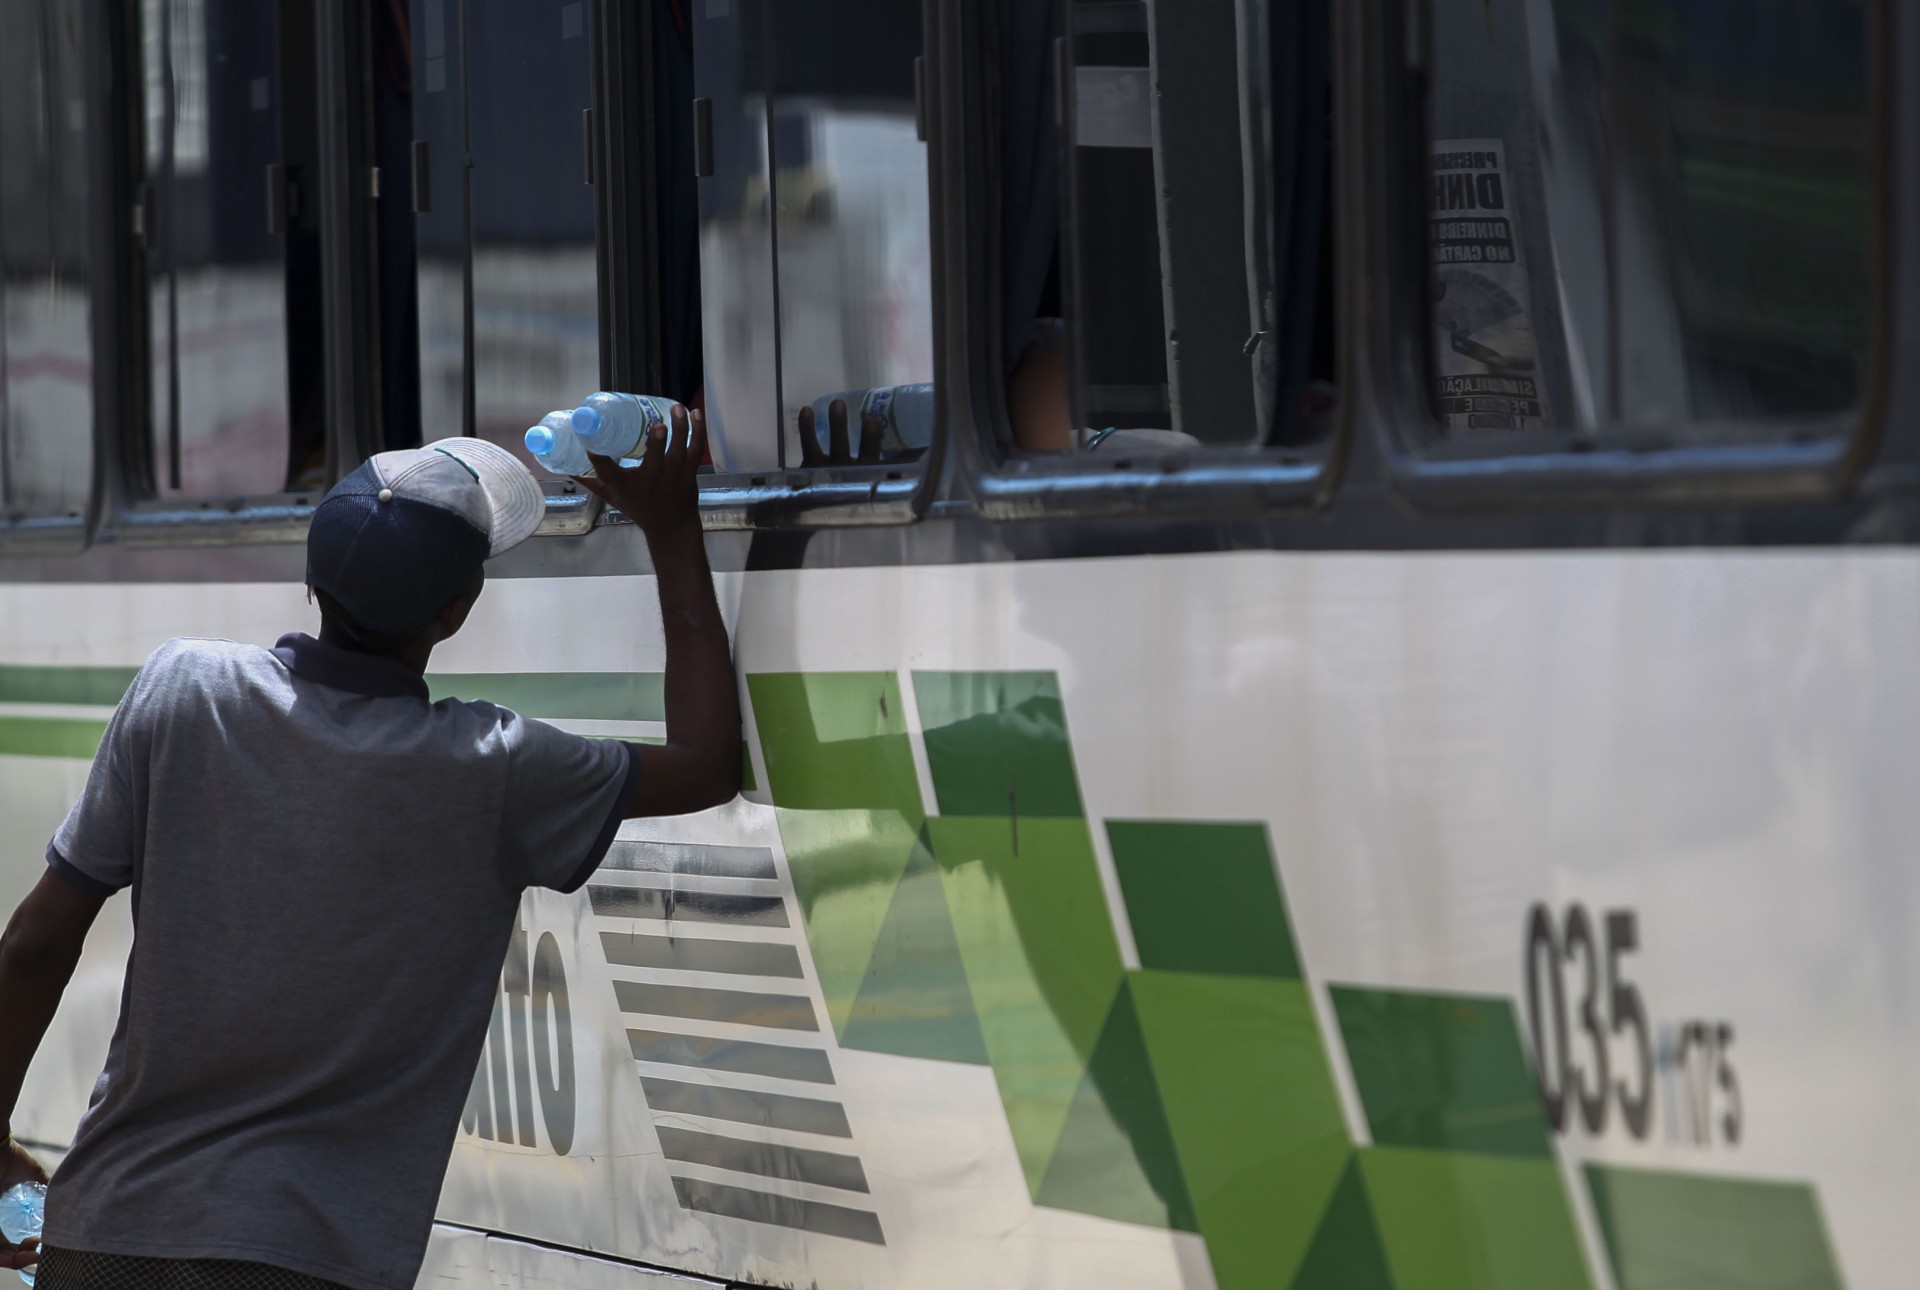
<point x="500" y="729"/>
<point x="188" y="664"/>
<point x="191" y="654"/>
<point x="188" y="647"/>
<point x="477" y="713"/>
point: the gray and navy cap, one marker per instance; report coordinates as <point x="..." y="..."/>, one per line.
<point x="404" y="536"/>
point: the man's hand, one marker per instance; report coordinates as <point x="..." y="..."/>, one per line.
<point x="38" y="953"/>
<point x="17" y="1165"/>
<point x="662" y="493"/>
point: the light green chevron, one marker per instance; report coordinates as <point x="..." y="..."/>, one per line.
<point x="1195" y="1092"/>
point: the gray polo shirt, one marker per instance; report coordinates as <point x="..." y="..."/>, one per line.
<point x="326" y="870"/>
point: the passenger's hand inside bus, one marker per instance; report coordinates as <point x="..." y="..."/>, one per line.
<point x="662" y="493"/>
<point x="836" y="454"/>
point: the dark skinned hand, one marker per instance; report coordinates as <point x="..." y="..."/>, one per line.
<point x="661" y="494"/>
<point x="871" y="433"/>
<point x="17" y="1165"/>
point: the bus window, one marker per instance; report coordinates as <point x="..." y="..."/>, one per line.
<point x="1166" y="279"/>
<point x="46" y="362"/>
<point x="508" y="302"/>
<point x="1649" y="221"/>
<point x="232" y="246"/>
<point x="815" y="263"/>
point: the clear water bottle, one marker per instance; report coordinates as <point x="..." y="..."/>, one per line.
<point x="905" y="412"/>
<point x="616" y="425"/>
<point x="555" y="446"/>
<point x="23" y="1212"/>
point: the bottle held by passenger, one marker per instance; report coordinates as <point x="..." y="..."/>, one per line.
<point x="616" y="425"/>
<point x="23" y="1212"/>
<point x="905" y="413"/>
<point x="553" y="444"/>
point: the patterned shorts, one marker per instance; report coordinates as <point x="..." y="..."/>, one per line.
<point x="80" y="1270"/>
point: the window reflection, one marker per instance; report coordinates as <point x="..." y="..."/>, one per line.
<point x="438" y="179"/>
<point x="816" y="274"/>
<point x="232" y="246"/>
<point x="46" y="370"/>
<point x="1687" y="192"/>
<point x="850" y="174"/>
<point x="508" y="298"/>
<point x="1166" y="278"/>
<point x="737" y="311"/>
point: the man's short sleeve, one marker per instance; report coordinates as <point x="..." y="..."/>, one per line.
<point x="98" y="846"/>
<point x="566" y="797"/>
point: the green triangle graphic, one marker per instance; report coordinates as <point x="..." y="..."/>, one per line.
<point x="1346" y="1253"/>
<point x="914" y="1000"/>
<point x="845" y="866"/>
<point x="1115" y="1157"/>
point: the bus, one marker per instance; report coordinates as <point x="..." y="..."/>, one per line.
<point x="1356" y="742"/>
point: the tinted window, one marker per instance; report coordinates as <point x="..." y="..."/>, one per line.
<point x="232" y="242"/>
<point x="46" y="369"/>
<point x="508" y="302"/>
<point x="814" y="236"/>
<point x="1167" y="238"/>
<point x="1649" y="216"/>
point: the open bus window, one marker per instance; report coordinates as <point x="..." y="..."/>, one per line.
<point x="506" y="280"/>
<point x="232" y="246"/>
<point x="1166" y="271"/>
<point x="814" y="242"/>
<point x="1650" y="222"/>
<point x="46" y="357"/>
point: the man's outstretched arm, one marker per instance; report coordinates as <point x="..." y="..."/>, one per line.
<point x="38" y="953"/>
<point x="699" y="765"/>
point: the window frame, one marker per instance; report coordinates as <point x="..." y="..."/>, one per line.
<point x="791" y="497"/>
<point x="1812" y="459"/>
<point x="346" y="185"/>
<point x="133" y="516"/>
<point x="1217" y="481"/>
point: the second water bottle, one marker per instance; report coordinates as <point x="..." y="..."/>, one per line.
<point x="616" y="425"/>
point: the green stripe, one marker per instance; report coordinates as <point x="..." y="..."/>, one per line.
<point x="566" y="696"/>
<point x="581" y="696"/>
<point x="1709" y="1232"/>
<point x="51" y="736"/>
<point x="93" y="686"/>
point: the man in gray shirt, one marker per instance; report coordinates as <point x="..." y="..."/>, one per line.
<point x="325" y="870"/>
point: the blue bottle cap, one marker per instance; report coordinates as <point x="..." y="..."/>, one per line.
<point x="586" y="420"/>
<point x="539" y="441"/>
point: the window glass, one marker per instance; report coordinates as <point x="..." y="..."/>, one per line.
<point x="737" y="311"/>
<point x="815" y="264"/>
<point x="851" y="224"/>
<point x="1166" y="283"/>
<point x="1648" y="216"/>
<point x="232" y="246"/>
<point x="508" y="301"/>
<point x="46" y="368"/>
<point x="437" y="175"/>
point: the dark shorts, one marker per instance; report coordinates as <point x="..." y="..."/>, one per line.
<point x="80" y="1270"/>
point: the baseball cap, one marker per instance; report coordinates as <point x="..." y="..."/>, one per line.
<point x="404" y="536"/>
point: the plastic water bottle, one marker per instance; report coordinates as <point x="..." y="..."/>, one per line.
<point x="905" y="412"/>
<point x="555" y="446"/>
<point x="23" y="1212"/>
<point x="616" y="425"/>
